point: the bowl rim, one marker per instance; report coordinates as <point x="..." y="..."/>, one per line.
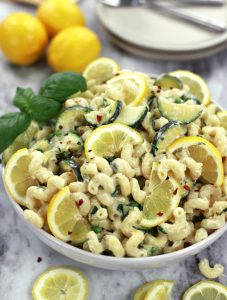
<point x="124" y="261"/>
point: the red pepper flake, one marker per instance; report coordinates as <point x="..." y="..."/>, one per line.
<point x="197" y="190"/>
<point x="175" y="192"/>
<point x="186" y="187"/>
<point x="160" y="214"/>
<point x="187" y="244"/>
<point x="89" y="150"/>
<point x="81" y="201"/>
<point x="170" y="87"/>
<point x="39" y="259"/>
<point x="60" y="127"/>
<point x="99" y="118"/>
<point x="223" y="159"/>
<point x="70" y="232"/>
<point x="117" y="74"/>
<point x="158" y="91"/>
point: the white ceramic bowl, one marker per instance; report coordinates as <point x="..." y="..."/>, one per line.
<point x="114" y="263"/>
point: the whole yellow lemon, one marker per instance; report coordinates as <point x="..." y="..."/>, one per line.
<point x="23" y="38"/>
<point x="57" y="15"/>
<point x="73" y="49"/>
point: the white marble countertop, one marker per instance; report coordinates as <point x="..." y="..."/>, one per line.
<point x="19" y="249"/>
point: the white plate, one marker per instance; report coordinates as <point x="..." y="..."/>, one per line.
<point x="150" y="29"/>
<point x="164" y="55"/>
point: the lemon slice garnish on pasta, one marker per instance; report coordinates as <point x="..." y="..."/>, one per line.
<point x="16" y="177"/>
<point x="154" y="290"/>
<point x="206" y="289"/>
<point x="129" y="87"/>
<point x="107" y="140"/>
<point x="101" y="70"/>
<point x="197" y="86"/>
<point x="64" y="219"/>
<point x="163" y="197"/>
<point x="60" y="283"/>
<point x="201" y="150"/>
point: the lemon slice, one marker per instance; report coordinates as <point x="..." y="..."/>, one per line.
<point x="160" y="290"/>
<point x="16" y="177"/>
<point x="142" y="290"/>
<point x="222" y="115"/>
<point x="21" y="141"/>
<point x="129" y="87"/>
<point x="163" y="197"/>
<point x="108" y="140"/>
<point x="206" y="290"/>
<point x="64" y="219"/>
<point x="204" y="152"/>
<point x="101" y="69"/>
<point x="60" y="283"/>
<point x="197" y="86"/>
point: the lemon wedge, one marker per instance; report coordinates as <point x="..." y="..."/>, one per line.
<point x="131" y="88"/>
<point x="154" y="287"/>
<point x="163" y="197"/>
<point x="101" y="69"/>
<point x="197" y="86"/>
<point x="206" y="289"/>
<point x="60" y="283"/>
<point x="204" y="152"/>
<point x="64" y="219"/>
<point x="109" y="139"/>
<point x="17" y="178"/>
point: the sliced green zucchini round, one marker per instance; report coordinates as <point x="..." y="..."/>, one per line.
<point x="41" y="145"/>
<point x="69" y="142"/>
<point x="183" y="113"/>
<point x="166" y="82"/>
<point x="106" y="114"/>
<point x="71" y="118"/>
<point x="71" y="165"/>
<point x="166" y="135"/>
<point x="132" y="116"/>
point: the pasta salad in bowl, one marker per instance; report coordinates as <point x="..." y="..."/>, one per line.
<point x="116" y="168"/>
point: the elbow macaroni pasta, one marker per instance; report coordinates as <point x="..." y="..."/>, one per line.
<point x="113" y="189"/>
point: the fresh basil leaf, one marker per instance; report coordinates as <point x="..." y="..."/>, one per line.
<point x="23" y="98"/>
<point x="11" y="125"/>
<point x="43" y="109"/>
<point x="60" y="86"/>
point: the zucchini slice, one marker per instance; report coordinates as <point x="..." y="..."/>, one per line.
<point x="132" y="116"/>
<point x="166" y="82"/>
<point x="166" y="135"/>
<point x="71" y="165"/>
<point x="69" y="142"/>
<point x="106" y="114"/>
<point x="71" y="118"/>
<point x="183" y="113"/>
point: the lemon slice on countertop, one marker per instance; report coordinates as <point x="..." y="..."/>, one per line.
<point x="109" y="139"/>
<point x="64" y="219"/>
<point x="201" y="150"/>
<point x="163" y="197"/>
<point x="60" y="283"/>
<point x="197" y="86"/>
<point x="17" y="178"/>
<point x="101" y="70"/>
<point x="146" y="289"/>
<point x="208" y="290"/>
<point x="129" y="87"/>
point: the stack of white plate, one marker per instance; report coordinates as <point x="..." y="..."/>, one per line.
<point x="149" y="33"/>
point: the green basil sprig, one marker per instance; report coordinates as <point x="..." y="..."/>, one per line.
<point x="46" y="105"/>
